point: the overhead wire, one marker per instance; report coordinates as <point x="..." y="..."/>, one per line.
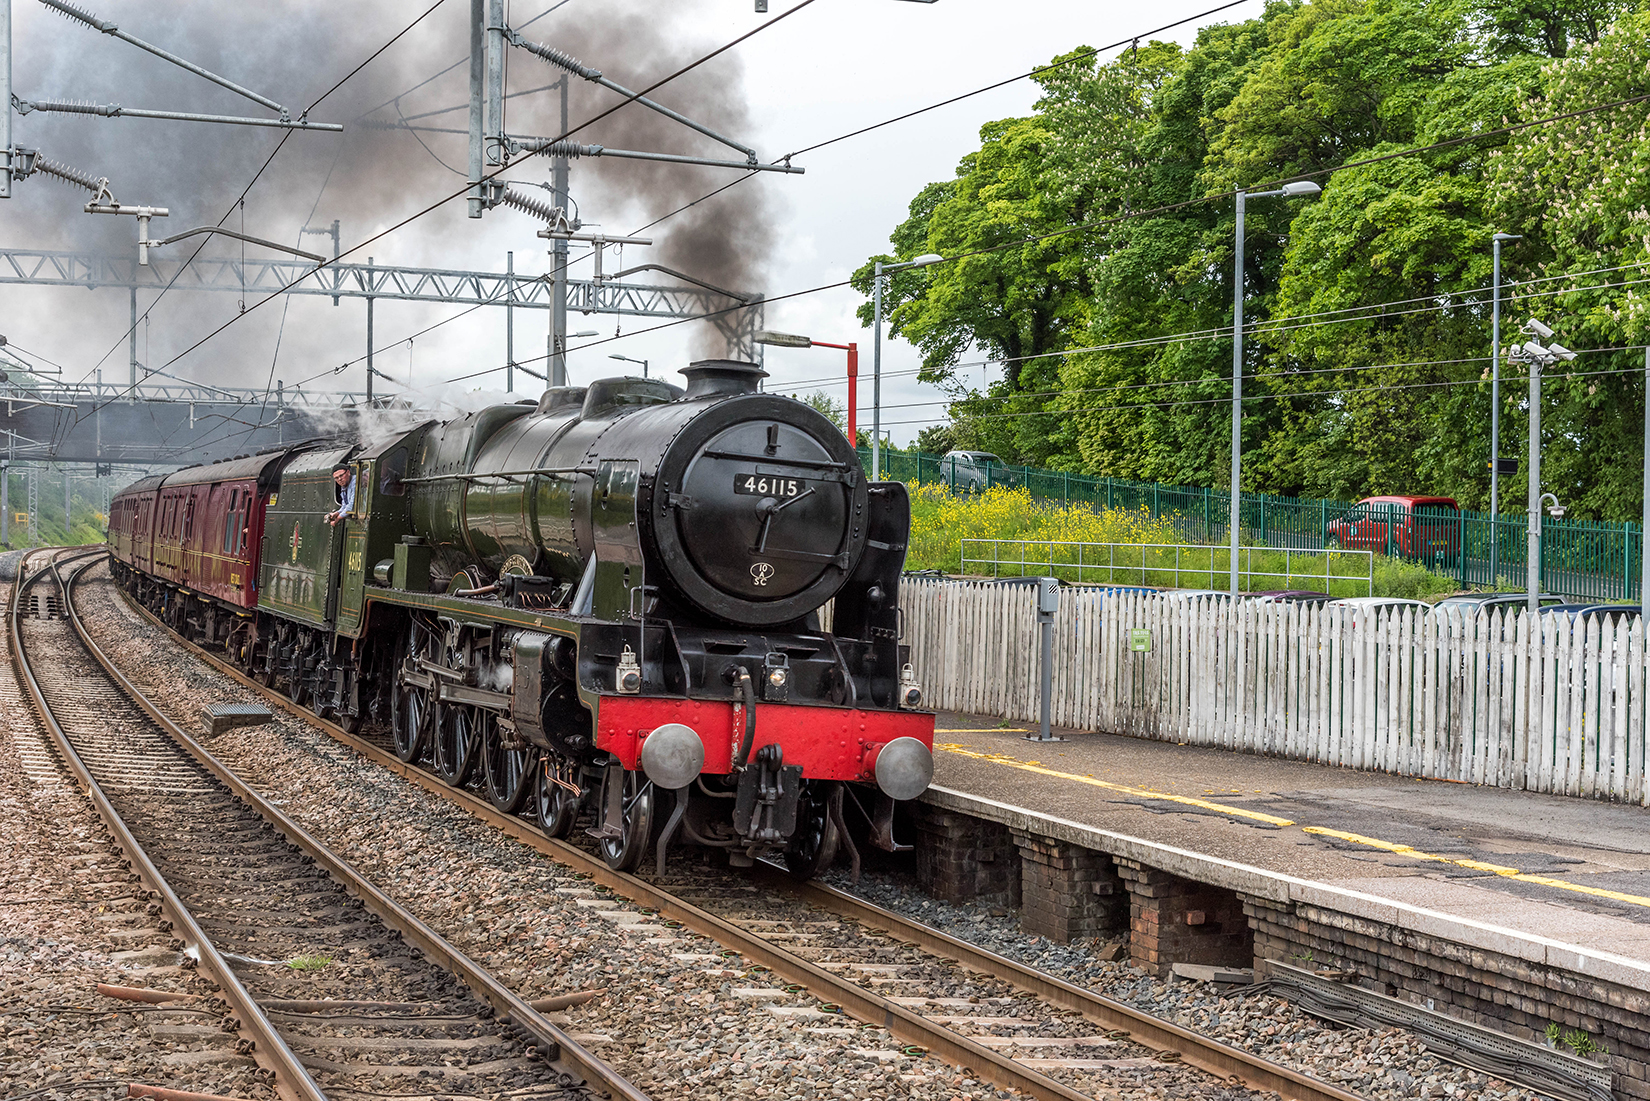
<point x="625" y="102"/>
<point x="1087" y="226"/>
<point x="1247" y="398"/>
<point x="240" y="199"/>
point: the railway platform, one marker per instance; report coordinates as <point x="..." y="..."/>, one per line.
<point x="1507" y="910"/>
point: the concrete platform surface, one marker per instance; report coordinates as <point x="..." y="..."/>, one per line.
<point x="1555" y="872"/>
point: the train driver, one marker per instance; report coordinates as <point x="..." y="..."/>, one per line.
<point x="345" y="480"/>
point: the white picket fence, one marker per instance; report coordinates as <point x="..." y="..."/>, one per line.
<point x="1471" y="698"/>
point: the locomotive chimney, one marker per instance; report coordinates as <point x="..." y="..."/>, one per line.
<point x="715" y="378"/>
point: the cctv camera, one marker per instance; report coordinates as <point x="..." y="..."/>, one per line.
<point x="1534" y="350"/>
<point x="1561" y="352"/>
<point x="1556" y="511"/>
<point x="1532" y="327"/>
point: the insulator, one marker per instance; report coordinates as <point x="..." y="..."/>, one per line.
<point x="561" y="59"/>
<point x="76" y="107"/>
<point x="569" y="149"/>
<point x="71" y="11"/>
<point x="529" y="205"/>
<point x="72" y="175"/>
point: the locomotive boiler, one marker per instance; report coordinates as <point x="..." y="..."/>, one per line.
<point x="670" y="611"/>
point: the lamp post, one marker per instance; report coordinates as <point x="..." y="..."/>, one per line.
<point x="876" y="354"/>
<point x="1537" y="357"/>
<point x="1298" y="189"/>
<point x="627" y="359"/>
<point x="791" y="340"/>
<point x="1495" y="404"/>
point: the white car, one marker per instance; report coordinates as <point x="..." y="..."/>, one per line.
<point x="972" y="471"/>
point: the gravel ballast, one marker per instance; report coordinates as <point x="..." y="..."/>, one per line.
<point x="71" y="917"/>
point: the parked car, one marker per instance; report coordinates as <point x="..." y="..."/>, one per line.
<point x="1288" y="596"/>
<point x="972" y="471"/>
<point x="1471" y="603"/>
<point x="1377" y="603"/>
<point x="1414" y="527"/>
<point x="1579" y="609"/>
<point x="1361" y="606"/>
<point x="1193" y="594"/>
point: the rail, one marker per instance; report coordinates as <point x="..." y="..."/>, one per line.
<point x="557" y="1045"/>
<point x="292" y="1081"/>
<point x="990" y="1066"/>
<point x="1166" y="565"/>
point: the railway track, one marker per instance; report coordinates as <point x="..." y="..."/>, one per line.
<point x="333" y="988"/>
<point x="1007" y="1024"/>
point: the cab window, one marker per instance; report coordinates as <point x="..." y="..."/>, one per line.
<point x="391" y="469"/>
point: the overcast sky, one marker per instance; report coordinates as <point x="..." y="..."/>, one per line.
<point x="829" y="69"/>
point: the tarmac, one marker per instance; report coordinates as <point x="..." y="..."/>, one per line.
<point x="1545" y="877"/>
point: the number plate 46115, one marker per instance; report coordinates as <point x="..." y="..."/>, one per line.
<point x="767" y="485"/>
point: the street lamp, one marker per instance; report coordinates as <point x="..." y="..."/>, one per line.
<point x="791" y="340"/>
<point x="627" y="359"/>
<point x="1298" y="189"/>
<point x="922" y="261"/>
<point x="1537" y="357"/>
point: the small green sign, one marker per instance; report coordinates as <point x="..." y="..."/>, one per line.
<point x="1140" y="640"/>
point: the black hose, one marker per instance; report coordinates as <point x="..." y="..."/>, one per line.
<point x="748" y="691"/>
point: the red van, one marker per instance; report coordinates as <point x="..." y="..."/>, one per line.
<point x="1414" y="527"/>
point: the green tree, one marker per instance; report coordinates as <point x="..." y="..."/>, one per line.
<point x="834" y="411"/>
<point x="1092" y="247"/>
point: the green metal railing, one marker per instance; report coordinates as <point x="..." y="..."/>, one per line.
<point x="1580" y="559"/>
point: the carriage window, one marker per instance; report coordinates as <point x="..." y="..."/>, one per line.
<point x="189" y="519"/>
<point x="229" y="522"/>
<point x="391" y="469"/>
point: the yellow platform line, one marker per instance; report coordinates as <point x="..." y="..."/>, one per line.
<point x="1032" y="766"/>
<point x="1478" y="865"/>
<point x="1321" y="831"/>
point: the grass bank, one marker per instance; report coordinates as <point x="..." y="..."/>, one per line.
<point x="940" y="520"/>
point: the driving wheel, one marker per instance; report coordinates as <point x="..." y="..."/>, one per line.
<point x="509" y="764"/>
<point x="557" y="805"/>
<point x="626" y="851"/>
<point x="813" y="845"/>
<point x="456" y="741"/>
<point x="410" y="705"/>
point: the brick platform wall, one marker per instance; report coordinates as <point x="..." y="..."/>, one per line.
<point x="1067" y="891"/>
<point x="961" y="858"/>
<point x="1174" y="920"/>
<point x="1487" y="988"/>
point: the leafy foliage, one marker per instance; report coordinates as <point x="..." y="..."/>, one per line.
<point x="1092" y="247"/>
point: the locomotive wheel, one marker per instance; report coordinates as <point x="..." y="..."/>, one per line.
<point x="510" y="772"/>
<point x="813" y="845"/>
<point x="409" y="709"/>
<point x="456" y="738"/>
<point x="557" y="807"/>
<point x="625" y="853"/>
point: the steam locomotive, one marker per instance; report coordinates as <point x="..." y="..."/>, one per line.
<point x="582" y="604"/>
